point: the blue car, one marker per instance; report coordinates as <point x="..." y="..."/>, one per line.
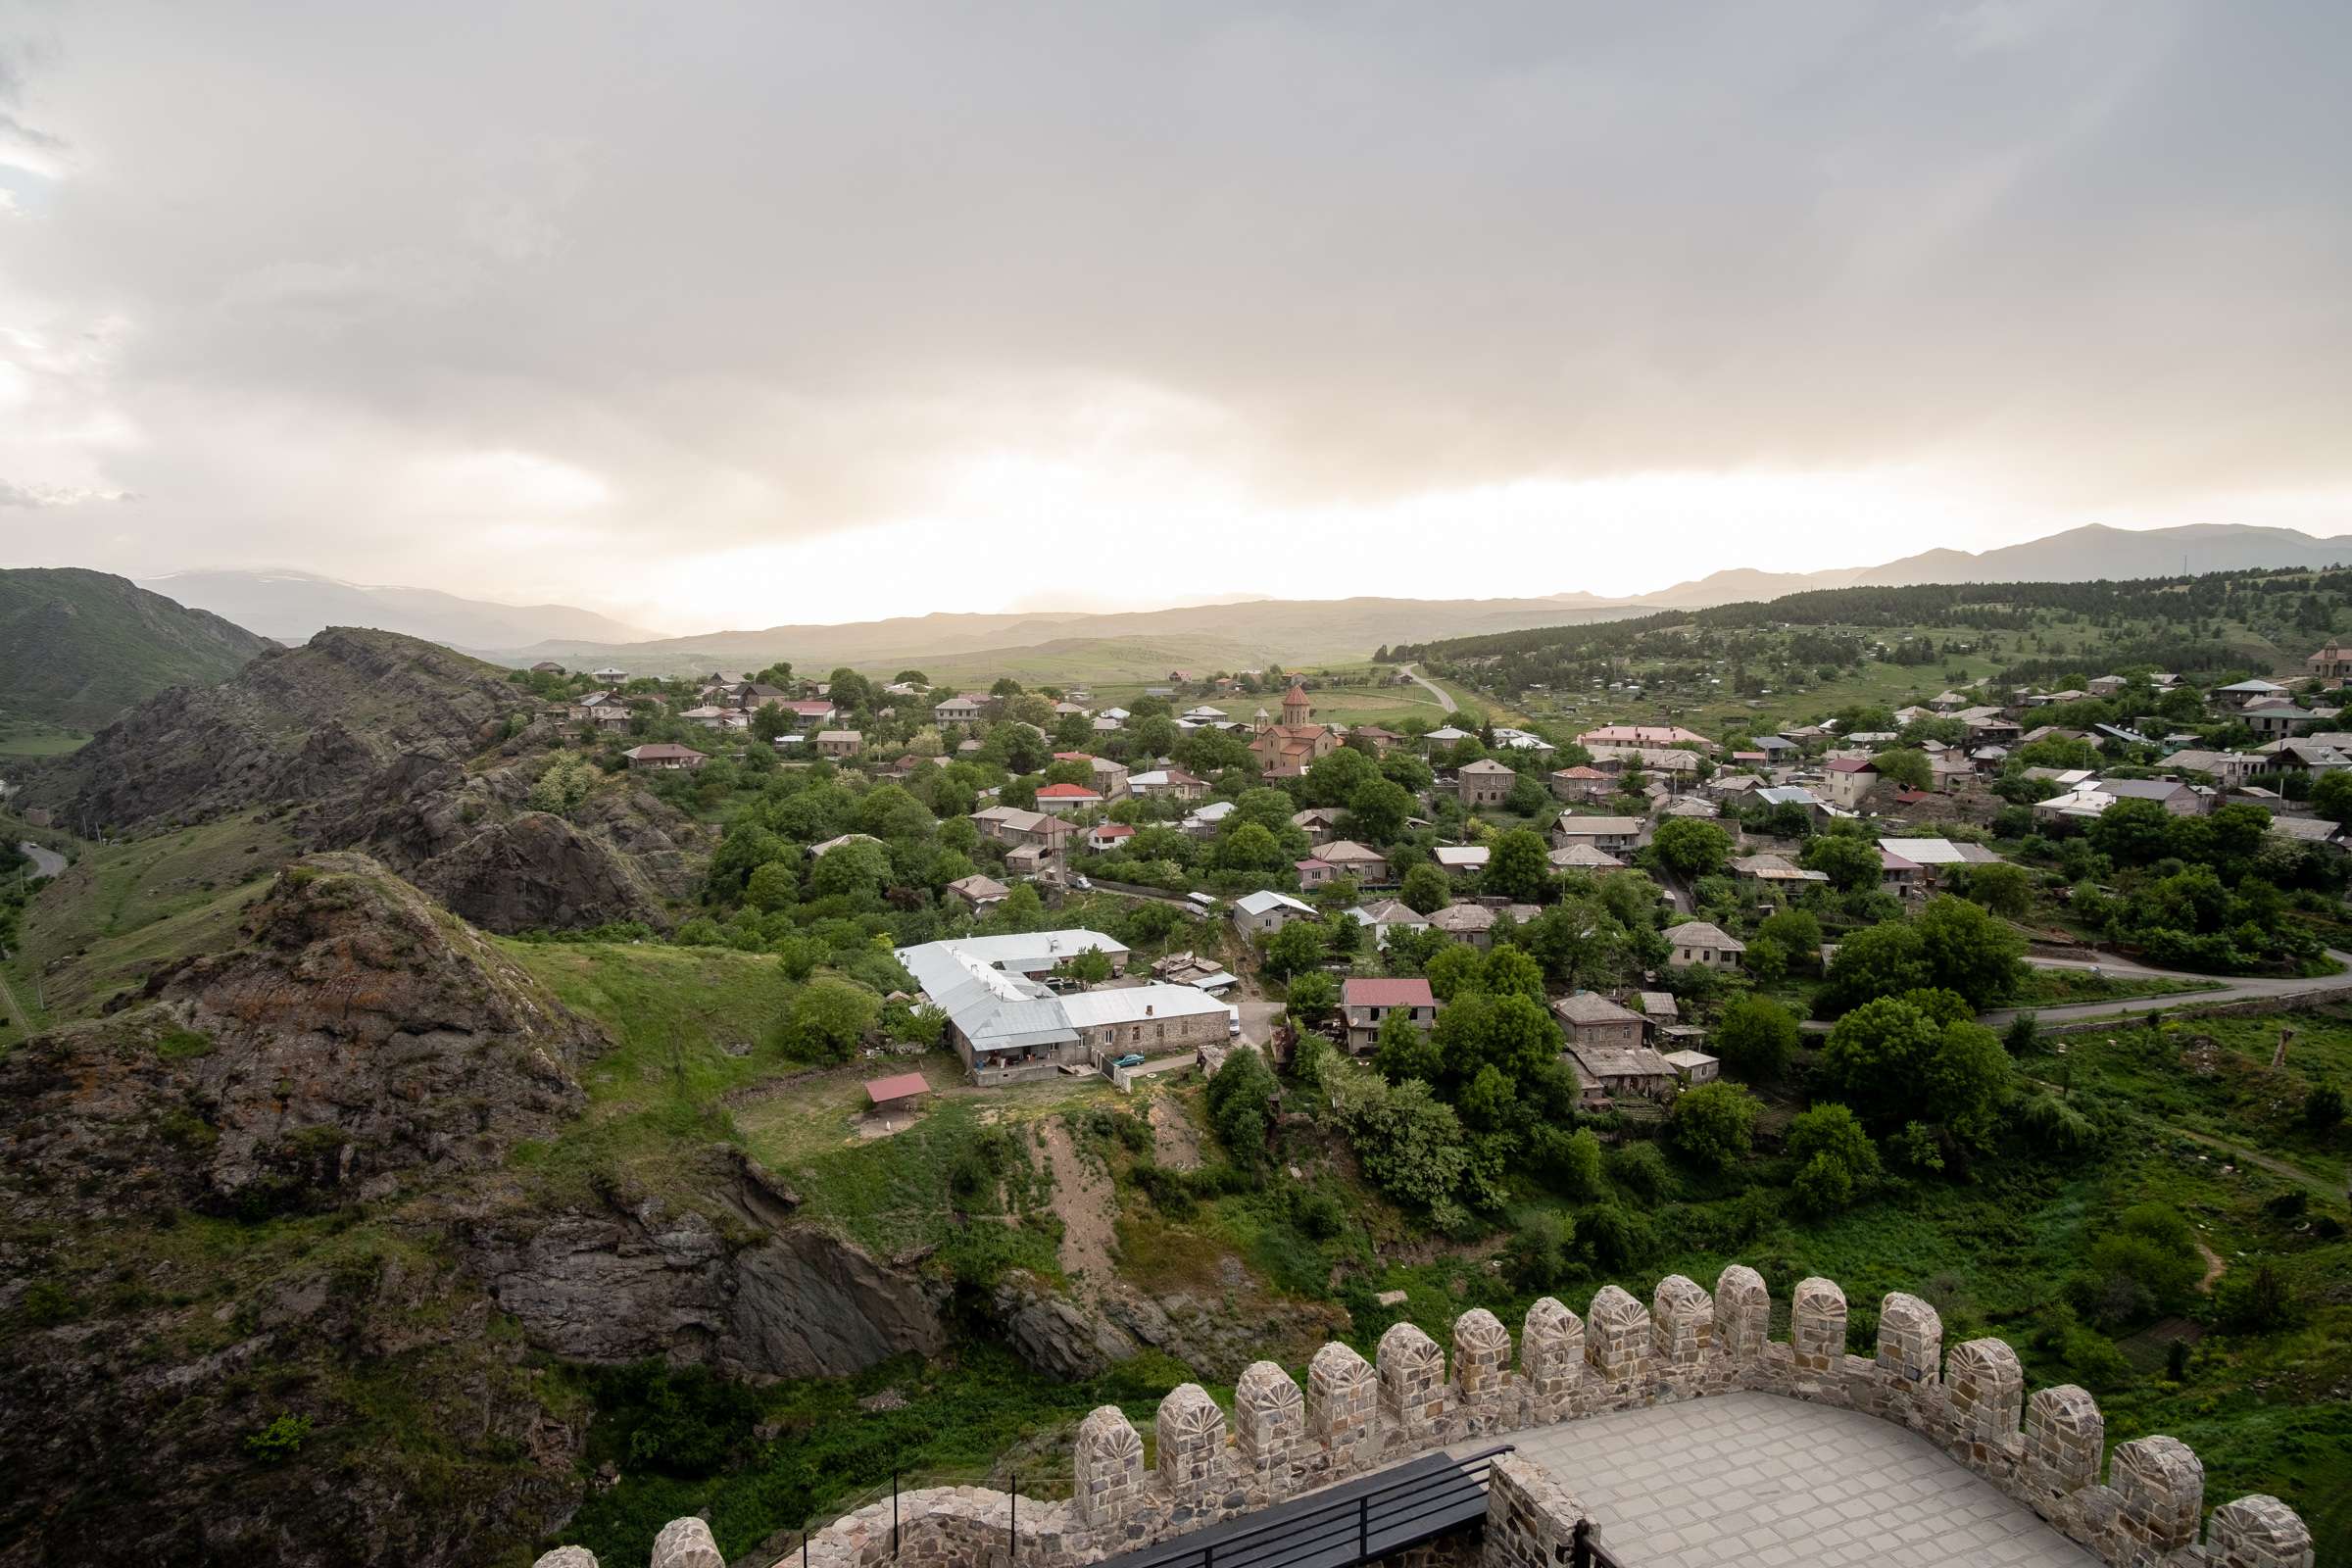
<point x="1131" y="1059"/>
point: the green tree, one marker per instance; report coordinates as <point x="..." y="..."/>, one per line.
<point x="827" y="1019"/>
<point x="1458" y="969"/>
<point x="856" y="869"/>
<point x="1968" y="951"/>
<point x="2005" y="890"/>
<point x="1377" y="812"/>
<point x="1404" y="1049"/>
<point x="772" y="886"/>
<point x="1312" y="996"/>
<point x="1293" y="950"/>
<point x="2331" y="796"/>
<point x="1518" y="866"/>
<point x="1879" y="960"/>
<point x="1239" y="1098"/>
<point x="1691" y="847"/>
<point x="2131" y="832"/>
<point x="1835" y="1156"/>
<point x="1755" y="1037"/>
<point x="1851" y="863"/>
<point x="1907" y="766"/>
<point x="1712" y="1124"/>
<point x="1334" y="778"/>
<point x="1895" y="1062"/>
<point x="1425" y="890"/>
<point x="1508" y="971"/>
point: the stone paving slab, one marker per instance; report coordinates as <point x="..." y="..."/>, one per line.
<point x="1755" y="1479"/>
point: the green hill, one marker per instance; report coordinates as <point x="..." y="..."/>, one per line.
<point x="78" y="648"/>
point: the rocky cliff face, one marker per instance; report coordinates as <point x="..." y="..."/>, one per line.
<point x="275" y="1286"/>
<point x="397" y="747"/>
<point x="360" y="1035"/>
<point x="624" y="1283"/>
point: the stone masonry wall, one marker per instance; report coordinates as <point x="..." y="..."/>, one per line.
<point x="1353" y="1416"/>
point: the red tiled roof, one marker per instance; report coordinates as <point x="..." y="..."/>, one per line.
<point x="1852" y="764"/>
<point x="1067" y="792"/>
<point x="1113" y="830"/>
<point x="898" y="1086"/>
<point x="1580" y="772"/>
<point x="1375" y="992"/>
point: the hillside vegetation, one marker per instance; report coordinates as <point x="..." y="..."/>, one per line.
<point x="79" y="648"/>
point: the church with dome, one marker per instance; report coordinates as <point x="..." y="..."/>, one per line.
<point x="1288" y="748"/>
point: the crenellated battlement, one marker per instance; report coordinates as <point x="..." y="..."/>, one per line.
<point x="1353" y="1416"/>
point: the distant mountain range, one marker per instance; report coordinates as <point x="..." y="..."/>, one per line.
<point x="1137" y="645"/>
<point x="2079" y="554"/>
<point x="76" y="648"/>
<point x="1147" y="642"/>
<point x="293" y="606"/>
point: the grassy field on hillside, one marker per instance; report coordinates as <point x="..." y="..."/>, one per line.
<point x="20" y="736"/>
<point x="122" y="909"/>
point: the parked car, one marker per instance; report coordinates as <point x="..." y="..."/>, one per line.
<point x="1133" y="1059"/>
<point x="1082" y="884"/>
<point x="1233" y="1023"/>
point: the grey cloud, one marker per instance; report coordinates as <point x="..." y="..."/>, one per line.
<point x="801" y="256"/>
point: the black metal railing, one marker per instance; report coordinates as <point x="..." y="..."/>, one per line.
<point x="1354" y="1529"/>
<point x="1584" y="1549"/>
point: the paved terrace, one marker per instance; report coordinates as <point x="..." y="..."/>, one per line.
<point x="1757" y="1479"/>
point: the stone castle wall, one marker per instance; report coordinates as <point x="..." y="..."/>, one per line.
<point x="1355" y="1415"/>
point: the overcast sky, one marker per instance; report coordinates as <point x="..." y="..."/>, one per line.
<point x="717" y="315"/>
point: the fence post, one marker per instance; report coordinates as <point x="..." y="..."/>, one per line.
<point x="1363" y="1527"/>
<point x="1013" y="1514"/>
<point x="893" y="1513"/>
<point x="1581" y="1552"/>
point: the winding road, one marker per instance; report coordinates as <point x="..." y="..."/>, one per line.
<point x="1426" y="685"/>
<point x="2225" y="989"/>
<point x="45" y="862"/>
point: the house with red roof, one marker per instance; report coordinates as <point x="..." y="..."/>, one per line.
<point x="1581" y="783"/>
<point x="1845" y="780"/>
<point x="1367" y="1001"/>
<point x="1055" y="799"/>
<point x="1108" y="836"/>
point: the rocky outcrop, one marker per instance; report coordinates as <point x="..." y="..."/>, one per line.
<point x="623" y="1283"/>
<point x="399" y="748"/>
<point x="360" y="1035"/>
<point x="293" y="1372"/>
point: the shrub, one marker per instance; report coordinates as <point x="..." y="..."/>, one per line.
<point x="1711" y="1124"/>
<point x="1640" y="1169"/>
<point x="2255" y="1298"/>
<point x="1756" y="1038"/>
<point x="1537" y="1258"/>
<point x="279" y="1440"/>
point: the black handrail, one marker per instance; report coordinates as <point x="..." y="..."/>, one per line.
<point x="1584" y="1549"/>
<point x="1295" y="1535"/>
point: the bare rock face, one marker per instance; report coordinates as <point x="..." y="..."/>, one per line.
<point x="224" y="1222"/>
<point x="625" y="1284"/>
<point x="395" y="747"/>
<point x="360" y="1035"/>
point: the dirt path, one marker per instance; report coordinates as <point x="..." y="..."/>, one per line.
<point x="2277" y="1167"/>
<point x="2215" y="1268"/>
<point x="1175" y="1141"/>
<point x="1086" y="1204"/>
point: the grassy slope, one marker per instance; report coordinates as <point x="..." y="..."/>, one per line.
<point x="33" y="737"/>
<point x="120" y="909"/>
<point x="78" y="648"/>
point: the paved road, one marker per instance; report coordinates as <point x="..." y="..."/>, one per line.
<point x="1752" y="1477"/>
<point x="2225" y="989"/>
<point x="1425" y="684"/>
<point x="45" y="862"/>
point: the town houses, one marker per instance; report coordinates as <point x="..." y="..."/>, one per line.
<point x="1273" y="850"/>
